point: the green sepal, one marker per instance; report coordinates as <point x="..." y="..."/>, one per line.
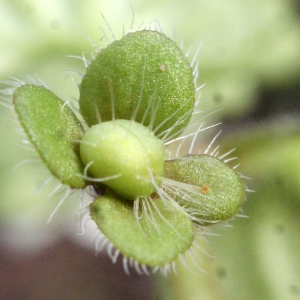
<point x="144" y="72"/>
<point x="154" y="240"/>
<point x="205" y="186"/>
<point x="54" y="131"/>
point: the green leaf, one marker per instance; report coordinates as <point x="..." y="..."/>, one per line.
<point x="53" y="129"/>
<point x="205" y="186"/>
<point x="125" y="149"/>
<point x="154" y="240"/>
<point x="145" y="77"/>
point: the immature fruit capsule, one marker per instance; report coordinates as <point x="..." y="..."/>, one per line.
<point x="125" y="149"/>
<point x="205" y="186"/>
<point x="143" y="77"/>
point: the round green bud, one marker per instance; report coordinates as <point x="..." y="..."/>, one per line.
<point x="143" y="77"/>
<point x="127" y="150"/>
<point x="205" y="186"/>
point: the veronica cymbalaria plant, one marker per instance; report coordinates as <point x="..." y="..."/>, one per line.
<point x="137" y="96"/>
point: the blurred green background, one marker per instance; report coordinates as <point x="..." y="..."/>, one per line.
<point x="250" y="63"/>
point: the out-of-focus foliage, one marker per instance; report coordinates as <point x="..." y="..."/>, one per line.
<point x="259" y="258"/>
<point x="246" y="45"/>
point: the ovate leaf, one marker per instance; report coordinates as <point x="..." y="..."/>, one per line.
<point x="54" y="131"/>
<point x="205" y="186"/>
<point x="156" y="239"/>
<point x="145" y="77"/>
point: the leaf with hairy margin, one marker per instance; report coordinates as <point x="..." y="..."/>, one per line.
<point x="53" y="129"/>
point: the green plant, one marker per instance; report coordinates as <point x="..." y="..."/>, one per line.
<point x="137" y="96"/>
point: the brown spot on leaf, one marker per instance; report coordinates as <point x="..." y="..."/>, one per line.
<point x="205" y="189"/>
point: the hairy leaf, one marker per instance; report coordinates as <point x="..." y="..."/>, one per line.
<point x="204" y="185"/>
<point x="154" y="240"/>
<point x="53" y="129"/>
<point x="143" y="76"/>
